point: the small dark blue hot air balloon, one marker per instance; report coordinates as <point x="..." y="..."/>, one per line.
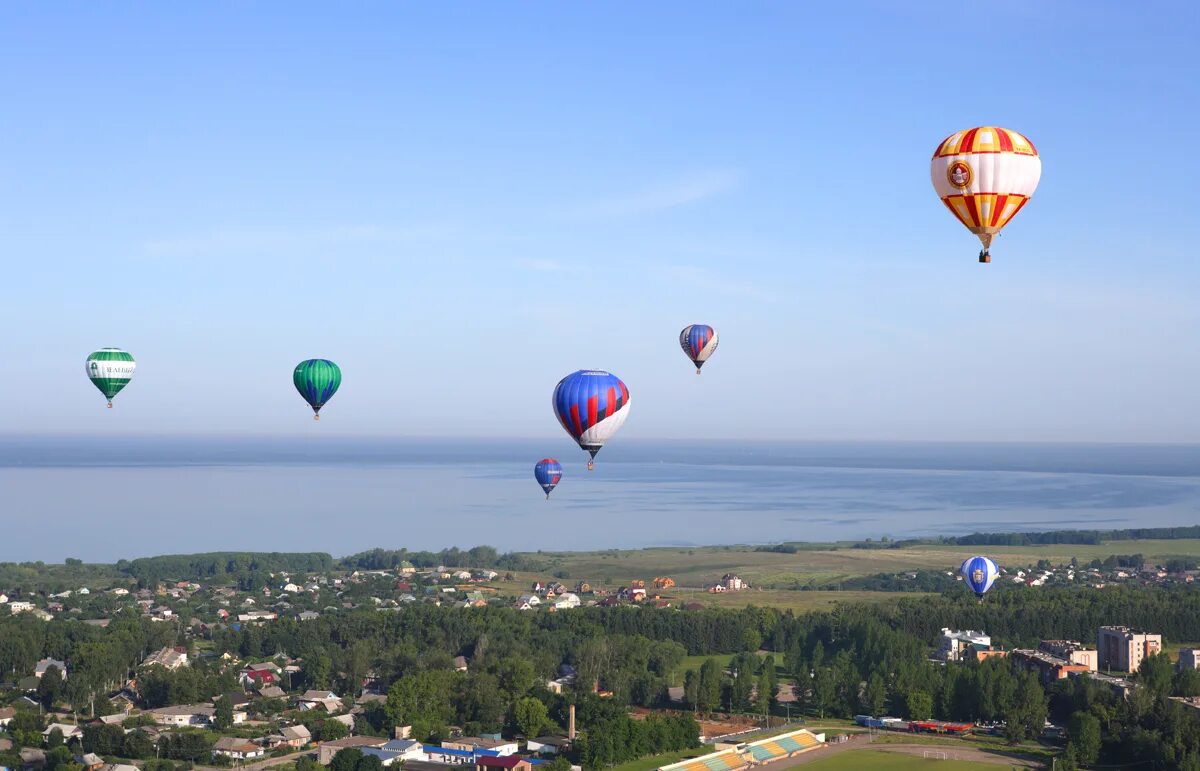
<point x="547" y="472"/>
<point x="979" y="573"/>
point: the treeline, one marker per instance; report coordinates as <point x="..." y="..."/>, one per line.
<point x="222" y="565"/>
<point x="454" y="557"/>
<point x="1092" y="537"/>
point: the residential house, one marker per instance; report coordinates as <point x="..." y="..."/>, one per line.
<point x="6" y="716"/>
<point x="508" y="763"/>
<point x="478" y="744"/>
<point x="398" y="750"/>
<point x="3" y="598"/>
<point x="236" y="699"/>
<point x="184" y="715"/>
<point x="565" y="601"/>
<point x="272" y="692"/>
<point x="237" y="749"/>
<point x="170" y="658"/>
<point x="118" y="767"/>
<point x="257" y="616"/>
<point x="20" y="607"/>
<point x="45" y="664"/>
<point x="324" y="700"/>
<point x="295" y="736"/>
<point x="90" y="761"/>
<point x="583" y="587"/>
<point x="663" y="582"/>
<point x="733" y="582"/>
<point x="69" y="732"/>
<point x="550" y="745"/>
<point x="308" y="615"/>
<point x="528" y="602"/>
<point x="326" y="750"/>
<point x="460" y="663"/>
<point x="407" y="568"/>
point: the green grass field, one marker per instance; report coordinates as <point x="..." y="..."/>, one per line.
<point x="657" y="761"/>
<point x="869" y="760"/>
<point x="823" y="563"/>
<point x="776" y="578"/>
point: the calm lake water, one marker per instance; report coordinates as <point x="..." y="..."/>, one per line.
<point x="101" y="500"/>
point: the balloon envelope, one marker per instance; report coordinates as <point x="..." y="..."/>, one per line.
<point x="698" y="342"/>
<point x="591" y="405"/>
<point x="317" y="380"/>
<point x="984" y="176"/>
<point x="979" y="573"/>
<point x="110" y="370"/>
<point x="547" y="472"/>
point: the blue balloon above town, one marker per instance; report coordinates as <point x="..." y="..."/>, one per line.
<point x="547" y="472"/>
<point x="592" y="406"/>
<point x="979" y="573"/>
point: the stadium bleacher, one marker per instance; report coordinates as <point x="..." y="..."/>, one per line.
<point x="752" y="754"/>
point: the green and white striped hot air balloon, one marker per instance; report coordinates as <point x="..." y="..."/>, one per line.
<point x="110" y="369"/>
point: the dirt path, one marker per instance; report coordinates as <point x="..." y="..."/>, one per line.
<point x="260" y="764"/>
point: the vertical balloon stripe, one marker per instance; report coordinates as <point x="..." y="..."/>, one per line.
<point x="317" y="380"/>
<point x="586" y="399"/>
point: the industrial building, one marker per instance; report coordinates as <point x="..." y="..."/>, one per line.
<point x="1189" y="658"/>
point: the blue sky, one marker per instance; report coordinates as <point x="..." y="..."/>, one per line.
<point x="462" y="202"/>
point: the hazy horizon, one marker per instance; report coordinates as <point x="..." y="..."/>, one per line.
<point x="128" y="497"/>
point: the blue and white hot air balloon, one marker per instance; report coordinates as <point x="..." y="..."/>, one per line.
<point x="979" y="573"/>
<point x="592" y="406"/>
<point x="547" y="472"/>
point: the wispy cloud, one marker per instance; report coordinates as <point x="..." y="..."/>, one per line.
<point x="708" y="280"/>
<point x="239" y="241"/>
<point x="681" y="192"/>
<point x="545" y="266"/>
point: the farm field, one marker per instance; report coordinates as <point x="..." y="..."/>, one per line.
<point x="817" y="564"/>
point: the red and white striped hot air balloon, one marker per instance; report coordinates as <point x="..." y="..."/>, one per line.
<point x="985" y="175"/>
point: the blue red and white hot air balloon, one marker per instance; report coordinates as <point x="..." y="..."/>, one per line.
<point x="698" y="342"/>
<point x="547" y="472"/>
<point x="592" y="406"/>
<point x="979" y="573"/>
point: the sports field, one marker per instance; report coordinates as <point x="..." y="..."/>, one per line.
<point x="874" y="760"/>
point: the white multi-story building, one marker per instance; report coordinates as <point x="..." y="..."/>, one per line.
<point x="955" y="644"/>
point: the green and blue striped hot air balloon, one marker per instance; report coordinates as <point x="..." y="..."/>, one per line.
<point x="110" y="369"/>
<point x="317" y="380"/>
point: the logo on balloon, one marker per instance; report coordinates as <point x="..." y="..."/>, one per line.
<point x="977" y="575"/>
<point x="959" y="174"/>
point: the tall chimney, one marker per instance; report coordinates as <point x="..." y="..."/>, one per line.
<point x="571" y="722"/>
